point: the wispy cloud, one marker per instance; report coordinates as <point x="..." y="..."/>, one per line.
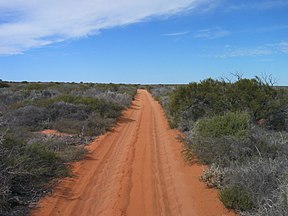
<point x="176" y="34"/>
<point x="246" y="52"/>
<point x="211" y="33"/>
<point x="29" y="24"/>
<point x="265" y="50"/>
<point x="270" y="4"/>
<point x="232" y="5"/>
<point x="281" y="46"/>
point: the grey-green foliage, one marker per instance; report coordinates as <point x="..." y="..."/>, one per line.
<point x="240" y="131"/>
<point x="213" y="97"/>
<point x="29" y="161"/>
<point x="25" y="168"/>
<point x="87" y="109"/>
<point x="234" y="124"/>
<point x="236" y="197"/>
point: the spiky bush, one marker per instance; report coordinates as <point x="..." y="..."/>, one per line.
<point x="213" y="176"/>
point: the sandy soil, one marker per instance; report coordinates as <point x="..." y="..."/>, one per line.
<point x="136" y="169"/>
<point x="55" y="132"/>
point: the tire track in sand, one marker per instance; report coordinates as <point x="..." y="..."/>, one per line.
<point x="135" y="169"/>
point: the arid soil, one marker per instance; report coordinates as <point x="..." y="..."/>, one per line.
<point x="135" y="169"/>
<point x="55" y="132"/>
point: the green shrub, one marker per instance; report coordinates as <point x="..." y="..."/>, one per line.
<point x="31" y="117"/>
<point x="222" y="151"/>
<point x="212" y="97"/>
<point x="68" y="126"/>
<point x="240" y="131"/>
<point x="93" y="126"/>
<point x="103" y="107"/>
<point x="43" y="162"/>
<point x="230" y="124"/>
<point x="39" y="86"/>
<point x="96" y="125"/>
<point x="62" y="110"/>
<point x="236" y="198"/>
<point x="204" y="99"/>
<point x="221" y="139"/>
<point x="262" y="101"/>
<point x="4" y="84"/>
<point x="27" y="164"/>
<point x="72" y="153"/>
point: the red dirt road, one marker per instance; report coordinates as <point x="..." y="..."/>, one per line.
<point x="136" y="169"/>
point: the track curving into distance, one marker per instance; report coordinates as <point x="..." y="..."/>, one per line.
<point x="136" y="169"/>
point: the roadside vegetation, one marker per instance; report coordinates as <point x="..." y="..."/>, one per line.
<point x="239" y="130"/>
<point x="30" y="161"/>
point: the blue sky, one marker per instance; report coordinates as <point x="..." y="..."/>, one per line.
<point x="137" y="41"/>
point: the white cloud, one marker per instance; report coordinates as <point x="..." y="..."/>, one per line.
<point x="246" y="52"/>
<point x="176" y="33"/>
<point x="282" y="46"/>
<point x="232" y="5"/>
<point x="26" y="24"/>
<point x="270" y="4"/>
<point x="265" y="50"/>
<point x="212" y="33"/>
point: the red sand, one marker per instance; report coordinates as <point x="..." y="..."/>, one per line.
<point x="55" y="132"/>
<point x="135" y="169"/>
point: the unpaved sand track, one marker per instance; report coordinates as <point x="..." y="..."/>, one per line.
<point x="136" y="169"/>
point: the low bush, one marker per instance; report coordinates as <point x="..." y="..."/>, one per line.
<point x="104" y="108"/>
<point x="162" y="94"/>
<point x="237" y="198"/>
<point x="30" y="117"/>
<point x="261" y="177"/>
<point x="39" y="86"/>
<point x="96" y="125"/>
<point x="26" y="165"/>
<point x="240" y="131"/>
<point x="123" y="99"/>
<point x="220" y="151"/>
<point x="72" y="153"/>
<point x="204" y="99"/>
<point x="93" y="126"/>
<point x="68" y="126"/>
<point x="212" y="97"/>
<point x="234" y="124"/>
<point x="69" y="114"/>
<point x="213" y="176"/>
<point x="188" y="153"/>
<point x="31" y="161"/>
<point x="275" y="205"/>
<point x="62" y="110"/>
<point x="4" y="84"/>
<point x="219" y="140"/>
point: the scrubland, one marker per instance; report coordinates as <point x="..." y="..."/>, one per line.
<point x="239" y="130"/>
<point x="30" y="161"/>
